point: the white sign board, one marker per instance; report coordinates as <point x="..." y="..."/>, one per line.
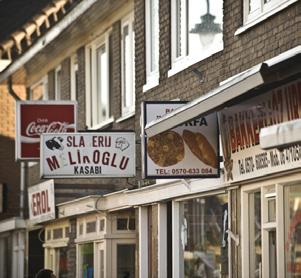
<point x="41" y="202"/>
<point x="187" y="151"/>
<point x="78" y="155"/>
<point x="240" y="127"/>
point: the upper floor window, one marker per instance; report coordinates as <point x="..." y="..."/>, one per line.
<point x="196" y="31"/>
<point x="152" y="43"/>
<point x="127" y="66"/>
<point x="74" y="77"/>
<point x="98" y="82"/>
<point x="57" y="80"/>
<point x="257" y="10"/>
<point x="39" y="91"/>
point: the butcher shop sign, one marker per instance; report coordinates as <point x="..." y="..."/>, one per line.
<point x="36" y="117"/>
<point x="41" y="202"/>
<point x="78" y="155"/>
<point x="187" y="151"/>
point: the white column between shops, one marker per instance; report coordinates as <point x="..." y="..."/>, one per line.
<point x="162" y="240"/>
<point x="143" y="242"/>
<point x="176" y="268"/>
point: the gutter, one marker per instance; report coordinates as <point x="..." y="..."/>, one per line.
<point x="53" y="33"/>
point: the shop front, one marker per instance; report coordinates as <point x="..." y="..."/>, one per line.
<point x="263" y="186"/>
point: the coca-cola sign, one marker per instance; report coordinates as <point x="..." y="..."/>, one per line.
<point x="34" y="118"/>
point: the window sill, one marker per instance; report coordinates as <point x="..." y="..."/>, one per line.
<point x="186" y="62"/>
<point x="152" y="81"/>
<point x="251" y="23"/>
<point x="102" y="124"/>
<point x="125" y="117"/>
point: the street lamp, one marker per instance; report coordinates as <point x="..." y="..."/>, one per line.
<point x="207" y="29"/>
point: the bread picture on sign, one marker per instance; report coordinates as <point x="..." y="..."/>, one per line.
<point x="166" y="149"/>
<point x="200" y="147"/>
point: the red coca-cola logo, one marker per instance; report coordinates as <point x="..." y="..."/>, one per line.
<point x="36" y="129"/>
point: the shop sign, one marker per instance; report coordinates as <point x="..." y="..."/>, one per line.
<point x="187" y="151"/>
<point x="36" y="117"/>
<point x="78" y="155"/>
<point x="240" y="127"/>
<point x="41" y="202"/>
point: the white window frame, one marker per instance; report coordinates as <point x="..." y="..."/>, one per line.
<point x="151" y="34"/>
<point x="58" y="83"/>
<point x="52" y="246"/>
<point x="91" y="82"/>
<point x="73" y="74"/>
<point x="185" y="60"/>
<point x="177" y="252"/>
<point x="262" y="13"/>
<point x="278" y="225"/>
<point x="130" y="68"/>
<point x="44" y="82"/>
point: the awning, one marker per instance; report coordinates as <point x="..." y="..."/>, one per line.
<point x="228" y="90"/>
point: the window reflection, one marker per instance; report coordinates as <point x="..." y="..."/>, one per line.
<point x="292" y="235"/>
<point x="203" y="236"/>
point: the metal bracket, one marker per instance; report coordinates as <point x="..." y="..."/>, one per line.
<point x="233" y="237"/>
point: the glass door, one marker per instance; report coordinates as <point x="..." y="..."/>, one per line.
<point x="124" y="258"/>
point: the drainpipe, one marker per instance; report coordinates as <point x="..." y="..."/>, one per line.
<point x="23" y="164"/>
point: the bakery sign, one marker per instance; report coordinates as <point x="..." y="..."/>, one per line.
<point x="36" y="117"/>
<point x="41" y="202"/>
<point x="190" y="150"/>
<point x="89" y="155"/>
<point x="240" y="127"/>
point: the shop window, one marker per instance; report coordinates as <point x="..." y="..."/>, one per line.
<point x="101" y="225"/>
<point x="86" y="266"/>
<point x="271" y="221"/>
<point x="48" y="234"/>
<point x="57" y="233"/>
<point x="125" y="224"/>
<point x="98" y="78"/>
<point x="127" y="65"/>
<point x="255" y="251"/>
<point x="62" y="264"/>
<point x="196" y="31"/>
<point x="126" y="260"/>
<point x="91" y="227"/>
<point x="203" y="240"/>
<point x="81" y="229"/>
<point x="292" y="230"/>
<point x="152" y="43"/>
<point x="67" y="231"/>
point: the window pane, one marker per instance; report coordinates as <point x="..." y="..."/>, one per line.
<point x="203" y="236"/>
<point x="204" y="26"/>
<point x="122" y="223"/>
<point x="293" y="230"/>
<point x="102" y="84"/>
<point x="57" y="233"/>
<point x="154" y="31"/>
<point x="272" y="254"/>
<point x="63" y="270"/>
<point x="86" y="259"/>
<point x="125" y="261"/>
<point x="255" y="233"/>
<point x="101" y="264"/>
<point x="91" y="227"/>
<point x="127" y="68"/>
